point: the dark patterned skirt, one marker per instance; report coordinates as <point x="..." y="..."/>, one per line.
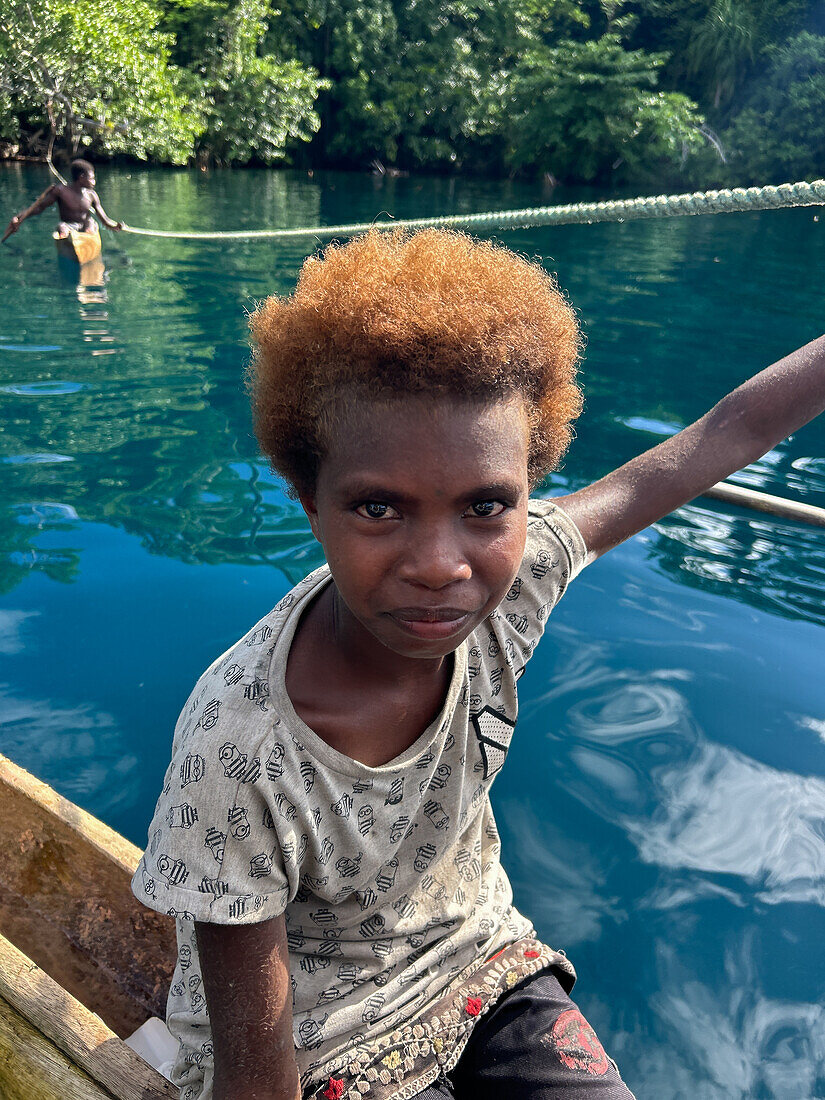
<point x="403" y="1063"/>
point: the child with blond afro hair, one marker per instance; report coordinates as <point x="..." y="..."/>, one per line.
<point x="324" y="836"/>
<point x="393" y="314"/>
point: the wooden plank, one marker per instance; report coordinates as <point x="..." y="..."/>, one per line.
<point x="765" y="502"/>
<point x="111" y="844"/>
<point x="76" y="1031"/>
<point x="66" y="901"/>
<point x="32" y="1067"/>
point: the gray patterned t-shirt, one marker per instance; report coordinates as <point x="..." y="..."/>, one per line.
<point x="389" y="877"/>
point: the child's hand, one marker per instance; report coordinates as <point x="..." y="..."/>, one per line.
<point x="13" y="226"/>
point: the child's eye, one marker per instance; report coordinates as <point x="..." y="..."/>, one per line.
<point x="486" y="508"/>
<point x="374" y="509"/>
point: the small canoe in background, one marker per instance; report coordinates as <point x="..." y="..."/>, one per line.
<point x="80" y="247"/>
<point x="82" y="963"/>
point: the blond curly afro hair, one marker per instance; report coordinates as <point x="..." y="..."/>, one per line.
<point x="395" y="313"/>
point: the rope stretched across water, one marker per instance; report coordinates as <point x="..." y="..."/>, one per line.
<point x="618" y="210"/>
<point x="658" y="206"/>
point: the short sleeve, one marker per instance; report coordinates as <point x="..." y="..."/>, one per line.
<point x="554" y="554"/>
<point x="214" y="853"/>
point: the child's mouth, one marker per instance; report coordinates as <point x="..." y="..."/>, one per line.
<point x="428" y="622"/>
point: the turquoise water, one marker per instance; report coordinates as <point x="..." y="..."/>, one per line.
<point x="663" y="806"/>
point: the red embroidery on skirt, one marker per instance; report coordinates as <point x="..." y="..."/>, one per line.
<point x="335" y="1088"/>
<point x="532" y="954"/>
<point x="473" y="1006"/>
<point x="577" y="1044"/>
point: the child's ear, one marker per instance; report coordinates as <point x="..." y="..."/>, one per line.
<point x="307" y="501"/>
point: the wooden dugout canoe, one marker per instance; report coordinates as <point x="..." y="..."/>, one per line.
<point x="82" y="963"/>
<point x="80" y="247"/>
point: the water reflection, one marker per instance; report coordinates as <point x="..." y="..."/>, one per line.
<point x="723" y="814"/>
<point x="78" y="748"/>
<point x="34" y="348"/>
<point x="50" y="459"/>
<point x="807" y="473"/>
<point x="637" y="756"/>
<point x="42" y="389"/>
<point x="771" y="563"/>
<point x="560" y="882"/>
<point x="685" y="877"/>
<point x="758" y="558"/>
<point x="12" y="633"/>
<point x="156" y="454"/>
<point x="218" y="513"/>
<point x="815" y="724"/>
<point x="731" y="1039"/>
<point x="93" y="297"/>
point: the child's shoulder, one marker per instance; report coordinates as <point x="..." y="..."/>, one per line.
<point x="554" y="542"/>
<point x="233" y="696"/>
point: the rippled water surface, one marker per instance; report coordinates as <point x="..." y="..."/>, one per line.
<point x="663" y="807"/>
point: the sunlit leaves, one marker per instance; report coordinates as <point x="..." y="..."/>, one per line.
<point x="9" y="122"/>
<point x="488" y="85"/>
<point x="601" y="91"/>
<point x="254" y="104"/>
<point x="100" y="70"/>
<point x="415" y="83"/>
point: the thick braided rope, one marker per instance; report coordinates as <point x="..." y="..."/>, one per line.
<point x="655" y="206"/>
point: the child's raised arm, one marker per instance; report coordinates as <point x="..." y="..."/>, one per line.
<point x="736" y="431"/>
<point x="245" y="970"/>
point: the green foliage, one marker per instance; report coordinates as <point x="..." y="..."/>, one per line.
<point x="780" y="135"/>
<point x="588" y="90"/>
<point x="257" y="104"/>
<point x="100" y="68"/>
<point x="409" y="78"/>
<point x="191" y="25"/>
<point x="9" y="122"/>
<point x="440" y="84"/>
<point x="365" y="107"/>
<point x="724" y="46"/>
<point x="715" y="46"/>
<point x="587" y="110"/>
<point x="451" y="75"/>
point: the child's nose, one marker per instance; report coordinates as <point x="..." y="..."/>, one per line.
<point x="434" y="559"/>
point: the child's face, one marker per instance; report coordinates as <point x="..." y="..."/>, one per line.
<point x="421" y="508"/>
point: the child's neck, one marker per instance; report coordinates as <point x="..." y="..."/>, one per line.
<point x="360" y="697"/>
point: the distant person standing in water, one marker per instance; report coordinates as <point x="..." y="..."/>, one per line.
<point x="75" y="203"/>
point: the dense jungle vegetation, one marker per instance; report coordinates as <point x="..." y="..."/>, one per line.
<point x="650" y="93"/>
